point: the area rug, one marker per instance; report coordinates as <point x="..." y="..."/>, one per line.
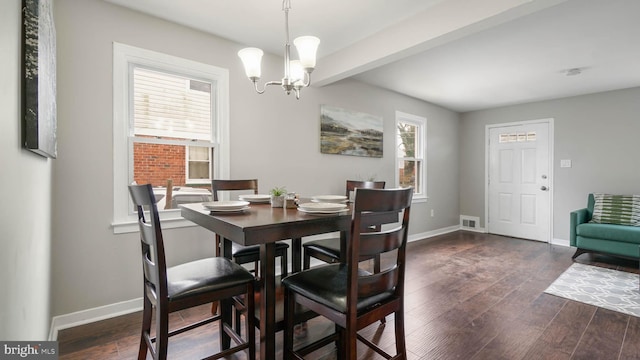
<point x="610" y="289"/>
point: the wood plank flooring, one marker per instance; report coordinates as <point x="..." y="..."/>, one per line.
<point x="468" y="296"/>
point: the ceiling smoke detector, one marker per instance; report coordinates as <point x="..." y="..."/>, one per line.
<point x="574" y="72"/>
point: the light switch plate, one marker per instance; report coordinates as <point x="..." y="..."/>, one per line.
<point x="566" y="163"/>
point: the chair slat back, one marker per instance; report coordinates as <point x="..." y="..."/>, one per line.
<point x="229" y="185"/>
<point x="358" y="184"/>
<point x="352" y="185"/>
<point x="149" y="254"/>
<point x="367" y="244"/>
<point x="384" y="281"/>
<point x="153" y="257"/>
<point x="380" y="242"/>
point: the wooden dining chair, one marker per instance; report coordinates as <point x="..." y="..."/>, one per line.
<point x="349" y="296"/>
<point x="171" y="289"/>
<point x="247" y="254"/>
<point x="328" y="250"/>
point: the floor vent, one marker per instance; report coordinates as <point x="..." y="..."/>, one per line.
<point x="469" y="222"/>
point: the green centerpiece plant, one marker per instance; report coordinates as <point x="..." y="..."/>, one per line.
<point x="277" y="196"/>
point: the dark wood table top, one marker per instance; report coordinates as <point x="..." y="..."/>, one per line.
<point x="261" y="223"/>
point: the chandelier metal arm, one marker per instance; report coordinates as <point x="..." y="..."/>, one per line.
<point x="264" y="87"/>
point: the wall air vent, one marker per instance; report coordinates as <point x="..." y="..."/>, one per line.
<point x="469" y="222"/>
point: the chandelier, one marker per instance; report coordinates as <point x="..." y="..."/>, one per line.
<point x="297" y="73"/>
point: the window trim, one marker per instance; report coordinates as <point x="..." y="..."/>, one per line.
<point x="125" y="55"/>
<point x="421" y="123"/>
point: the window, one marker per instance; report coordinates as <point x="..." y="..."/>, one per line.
<point x="170" y="127"/>
<point x="171" y="109"/>
<point x="517" y="137"/>
<point x="410" y="153"/>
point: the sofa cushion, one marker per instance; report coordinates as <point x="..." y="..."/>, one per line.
<point x="630" y="234"/>
<point x="616" y="209"/>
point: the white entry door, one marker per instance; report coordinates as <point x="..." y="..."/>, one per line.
<point x="519" y="181"/>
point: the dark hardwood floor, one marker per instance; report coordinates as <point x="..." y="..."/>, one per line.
<point x="469" y="296"/>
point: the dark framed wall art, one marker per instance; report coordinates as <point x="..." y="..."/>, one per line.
<point x="39" y="77"/>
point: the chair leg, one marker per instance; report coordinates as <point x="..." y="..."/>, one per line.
<point x="237" y="320"/>
<point x="162" y="334"/>
<point x="226" y="317"/>
<point x="251" y="320"/>
<point x="340" y="339"/>
<point x="578" y="253"/>
<point x="289" y="322"/>
<point x="350" y="346"/>
<point x="146" y="328"/>
<point x="284" y="264"/>
<point x="306" y="263"/>
<point x="401" y="348"/>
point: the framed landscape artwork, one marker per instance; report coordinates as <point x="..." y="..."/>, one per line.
<point x="347" y="132"/>
<point x="39" y="77"/>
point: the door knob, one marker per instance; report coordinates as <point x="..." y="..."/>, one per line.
<point x="544" y="188"/>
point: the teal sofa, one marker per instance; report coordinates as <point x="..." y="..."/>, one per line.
<point x="618" y="240"/>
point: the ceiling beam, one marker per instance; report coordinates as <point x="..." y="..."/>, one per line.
<point x="446" y="21"/>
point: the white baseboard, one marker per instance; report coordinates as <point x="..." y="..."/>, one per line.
<point x="432" y="233"/>
<point x="83" y="317"/>
<point x="561" y="242"/>
<point x="478" y="230"/>
<point x="87" y="316"/>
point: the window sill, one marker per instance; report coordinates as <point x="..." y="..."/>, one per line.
<point x="418" y="200"/>
<point x="124" y="227"/>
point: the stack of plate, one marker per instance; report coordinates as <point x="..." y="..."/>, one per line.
<point x="329" y="199"/>
<point x="255" y="198"/>
<point x="322" y="208"/>
<point x="226" y="206"/>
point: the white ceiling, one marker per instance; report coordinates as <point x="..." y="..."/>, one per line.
<point x="461" y="54"/>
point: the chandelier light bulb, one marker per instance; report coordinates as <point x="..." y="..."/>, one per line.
<point x="307" y="47"/>
<point x="296" y="71"/>
<point x="252" y="59"/>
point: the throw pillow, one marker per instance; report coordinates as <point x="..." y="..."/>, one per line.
<point x="616" y="209"/>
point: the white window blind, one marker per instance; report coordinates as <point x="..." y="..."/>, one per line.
<point x="167" y="105"/>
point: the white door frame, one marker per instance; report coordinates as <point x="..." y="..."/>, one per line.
<point x="487" y="155"/>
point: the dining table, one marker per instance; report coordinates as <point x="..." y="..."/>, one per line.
<point x="263" y="225"/>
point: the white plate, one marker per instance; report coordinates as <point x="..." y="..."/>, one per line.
<point x="255" y="198"/>
<point x="319" y="212"/>
<point x="229" y="210"/>
<point x="225" y="205"/>
<point x="329" y="198"/>
<point x="322" y="206"/>
<point x="330" y="201"/>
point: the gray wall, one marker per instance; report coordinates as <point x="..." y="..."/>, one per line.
<point x="598" y="132"/>
<point x="273" y="137"/>
<point x="25" y="214"/>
